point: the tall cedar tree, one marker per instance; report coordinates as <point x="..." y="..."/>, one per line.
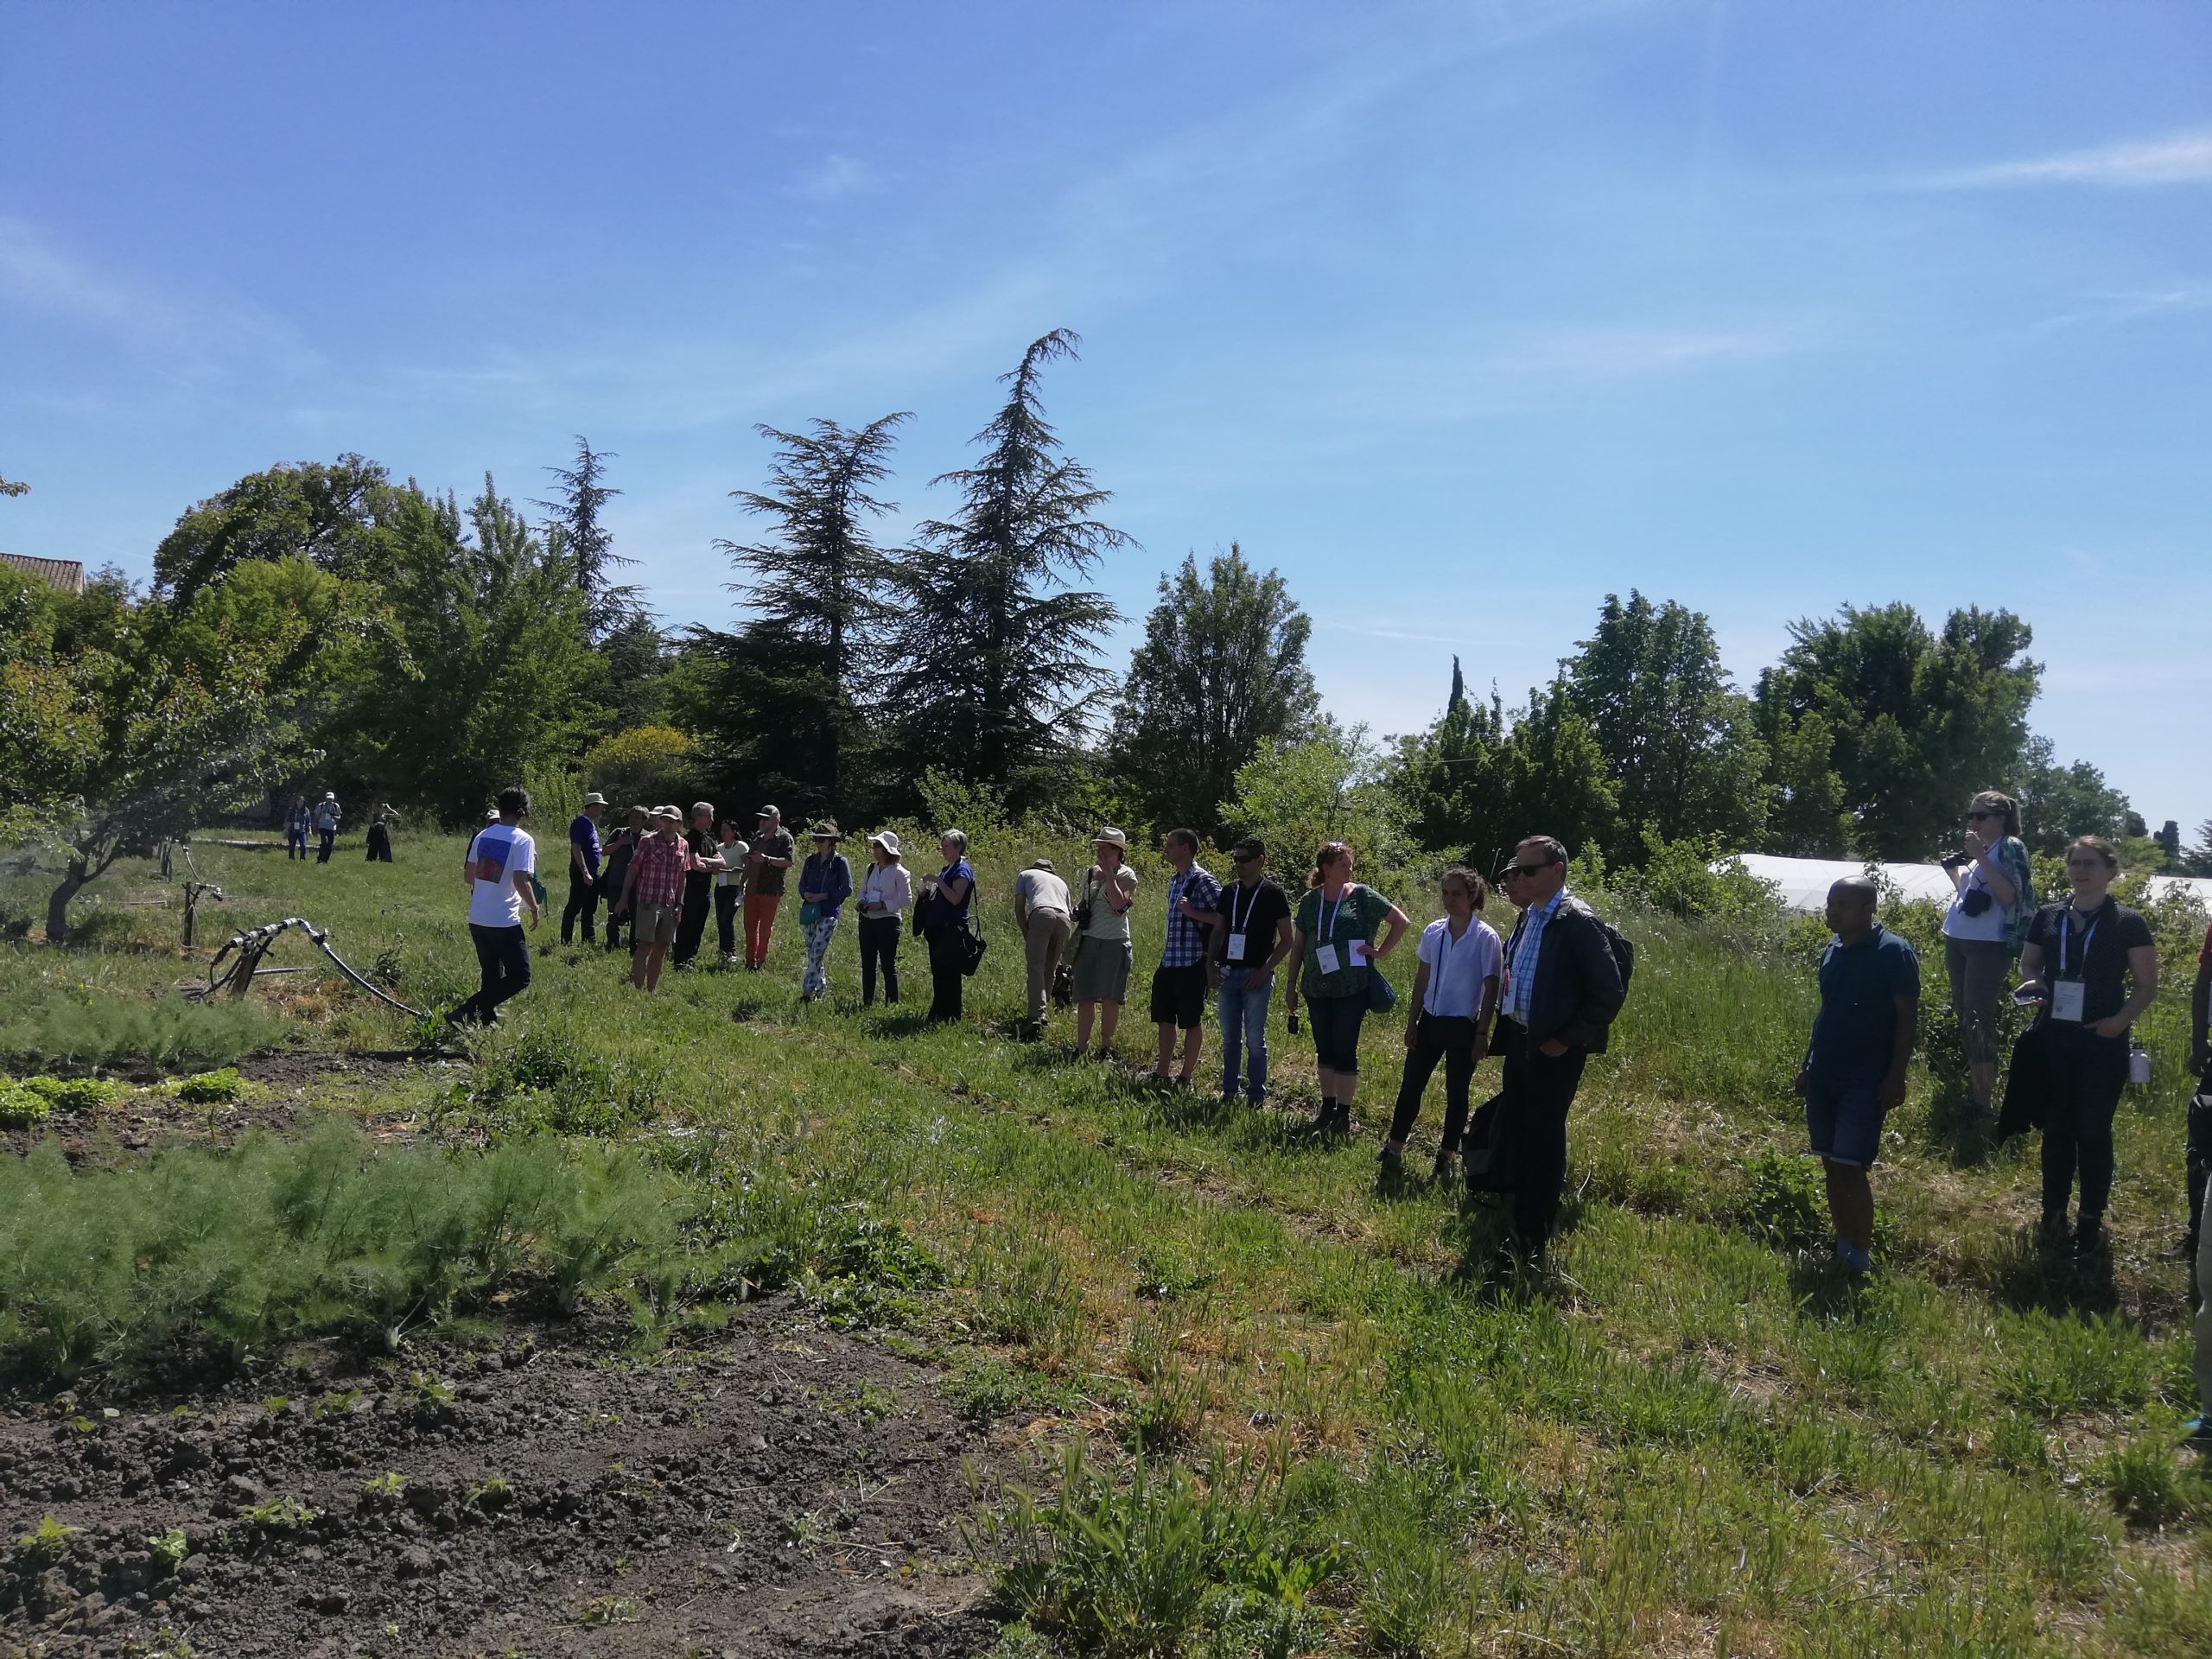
<point x="590" y="545"/>
<point x="1222" y="670"/>
<point x="999" y="666"/>
<point x="1914" y="723"/>
<point x="799" y="678"/>
<point x="1679" y="739"/>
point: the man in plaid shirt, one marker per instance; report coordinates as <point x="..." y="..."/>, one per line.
<point x="1179" y="984"/>
<point x="653" y="892"/>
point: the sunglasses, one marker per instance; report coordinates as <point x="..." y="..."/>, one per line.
<point x="1512" y="870"/>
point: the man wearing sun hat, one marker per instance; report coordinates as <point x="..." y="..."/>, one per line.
<point x="654" y="893"/>
<point x="773" y="852"/>
<point x="583" y="870"/>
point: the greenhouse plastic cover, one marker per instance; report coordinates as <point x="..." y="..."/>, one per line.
<point x="1803" y="883"/>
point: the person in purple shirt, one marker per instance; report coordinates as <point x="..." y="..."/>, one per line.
<point x="583" y="870"/>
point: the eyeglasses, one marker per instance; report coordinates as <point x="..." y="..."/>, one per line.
<point x="1512" y="870"/>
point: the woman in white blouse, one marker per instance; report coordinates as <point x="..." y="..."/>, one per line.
<point x="885" y="891"/>
<point x="1448" y="1016"/>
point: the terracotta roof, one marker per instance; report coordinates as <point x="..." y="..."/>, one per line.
<point x="68" y="575"/>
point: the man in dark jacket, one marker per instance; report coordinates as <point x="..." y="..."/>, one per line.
<point x="1562" y="990"/>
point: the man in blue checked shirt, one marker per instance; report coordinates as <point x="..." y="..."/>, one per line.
<point x="1179" y="984"/>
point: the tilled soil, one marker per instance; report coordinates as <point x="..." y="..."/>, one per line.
<point x="781" y="1490"/>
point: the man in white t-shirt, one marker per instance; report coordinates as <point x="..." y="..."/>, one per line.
<point x="500" y="861"/>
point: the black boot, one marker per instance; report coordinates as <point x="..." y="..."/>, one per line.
<point x="1324" y="1118"/>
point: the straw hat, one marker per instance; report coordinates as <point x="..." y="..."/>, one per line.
<point x="1109" y="836"/>
<point x="826" y="830"/>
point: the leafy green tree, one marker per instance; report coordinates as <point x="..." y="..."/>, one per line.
<point x="338" y="518"/>
<point x="2059" y="803"/>
<point x="1331" y="786"/>
<point x="1679" y="740"/>
<point x="2169" y="840"/>
<point x="1221" y="671"/>
<point x="127" y="719"/>
<point x="793" y="686"/>
<point x="632" y="660"/>
<point x="1917" y="721"/>
<point x="2198" y="858"/>
<point x="999" y="668"/>
<point x="1476" y="783"/>
<point x="10" y="486"/>
<point x="583" y="496"/>
<point x="481" y="667"/>
<point x="1809" y="818"/>
<point x="645" y="767"/>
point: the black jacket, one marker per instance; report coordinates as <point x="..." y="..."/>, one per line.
<point x="1577" y="989"/>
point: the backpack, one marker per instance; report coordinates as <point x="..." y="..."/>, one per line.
<point x="1621" y="946"/>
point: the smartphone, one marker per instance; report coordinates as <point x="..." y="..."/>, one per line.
<point x="2029" y="995"/>
<point x="1290" y="1022"/>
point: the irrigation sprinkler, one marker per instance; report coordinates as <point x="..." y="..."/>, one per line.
<point x="244" y="951"/>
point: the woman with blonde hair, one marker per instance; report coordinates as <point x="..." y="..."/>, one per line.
<point x="1984" y="929"/>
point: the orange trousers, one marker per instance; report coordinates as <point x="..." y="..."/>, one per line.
<point x="760" y="923"/>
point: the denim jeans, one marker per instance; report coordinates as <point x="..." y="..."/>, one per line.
<point x="1245" y="993"/>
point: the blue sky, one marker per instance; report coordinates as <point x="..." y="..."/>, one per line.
<point x="1462" y="315"/>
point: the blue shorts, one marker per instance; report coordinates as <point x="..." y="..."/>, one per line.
<point x="1844" y="1121"/>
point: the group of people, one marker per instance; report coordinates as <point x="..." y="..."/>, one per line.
<point x="323" y="819"/>
<point x="1542" y="998"/>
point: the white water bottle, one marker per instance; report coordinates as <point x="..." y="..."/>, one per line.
<point x="2139" y="1065"/>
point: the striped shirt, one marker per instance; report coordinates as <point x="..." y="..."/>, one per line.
<point x="1521" y="970"/>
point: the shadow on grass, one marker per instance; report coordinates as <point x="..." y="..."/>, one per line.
<point x="2027" y="1272"/>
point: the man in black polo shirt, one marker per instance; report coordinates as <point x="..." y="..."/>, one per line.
<point x="1853" y="1074"/>
<point x="1252" y="938"/>
<point x="698" y="884"/>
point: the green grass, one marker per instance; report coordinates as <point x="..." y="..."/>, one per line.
<point x="1303" y="1419"/>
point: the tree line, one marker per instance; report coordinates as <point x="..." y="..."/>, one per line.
<point x="325" y="623"/>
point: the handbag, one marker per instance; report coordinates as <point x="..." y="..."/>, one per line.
<point x="2027" y="1083"/>
<point x="809" y="913"/>
<point x="1082" y="910"/>
<point x="1381" y="995"/>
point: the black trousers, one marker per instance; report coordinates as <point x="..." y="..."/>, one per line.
<point x="1450" y="1039"/>
<point x="329" y="840"/>
<point x="583" y="900"/>
<point x="610" y="883"/>
<point x="2087" y="1074"/>
<point x="379" y="844"/>
<point x="691" y="923"/>
<point x="879" y="950"/>
<point x="726" y="901"/>
<point x="1524" y="1124"/>
<point x="503" y="958"/>
<point x="946" y="979"/>
<point x="2200" y="1159"/>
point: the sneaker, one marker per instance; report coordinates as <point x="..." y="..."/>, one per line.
<point x="1341" y="1123"/>
<point x="1392" y="1158"/>
<point x="1852" y="1258"/>
<point x="1444" y="1167"/>
<point x="1324" y="1118"/>
<point x="2090" y="1238"/>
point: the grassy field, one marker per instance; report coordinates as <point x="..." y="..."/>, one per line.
<point x="1269" y="1406"/>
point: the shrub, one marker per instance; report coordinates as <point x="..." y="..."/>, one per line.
<point x="211" y="1088"/>
<point x="242" y="1249"/>
<point x="646" y="765"/>
<point x="1786" y="1199"/>
<point x="21" y="1107"/>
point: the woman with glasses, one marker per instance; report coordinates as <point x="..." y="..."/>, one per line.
<point x="1984" y="929"/>
<point x="1333" y="943"/>
<point x="2078" y="960"/>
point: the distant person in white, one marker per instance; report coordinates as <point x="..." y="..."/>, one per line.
<point x="498" y="872"/>
<point x="1453" y="1004"/>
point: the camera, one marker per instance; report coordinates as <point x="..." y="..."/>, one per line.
<point x="1975" y="900"/>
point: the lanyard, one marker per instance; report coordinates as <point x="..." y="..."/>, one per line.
<point x="2066" y="933"/>
<point x="1234" y="926"/>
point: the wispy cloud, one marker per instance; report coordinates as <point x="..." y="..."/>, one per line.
<point x="2141" y="305"/>
<point x="2179" y="158"/>
<point x="184" y="337"/>
<point x="835" y="178"/>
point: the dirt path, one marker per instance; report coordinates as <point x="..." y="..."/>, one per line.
<point x="780" y="1490"/>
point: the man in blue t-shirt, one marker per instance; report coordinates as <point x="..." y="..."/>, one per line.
<point x="1854" y="1071"/>
<point x="583" y="870"/>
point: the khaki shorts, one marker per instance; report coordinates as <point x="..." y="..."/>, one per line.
<point x="656" y="923"/>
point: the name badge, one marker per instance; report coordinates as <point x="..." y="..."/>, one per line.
<point x="1361" y="949"/>
<point x="1325" y="957"/>
<point x="2066" y="997"/>
<point x="1236" y="947"/>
